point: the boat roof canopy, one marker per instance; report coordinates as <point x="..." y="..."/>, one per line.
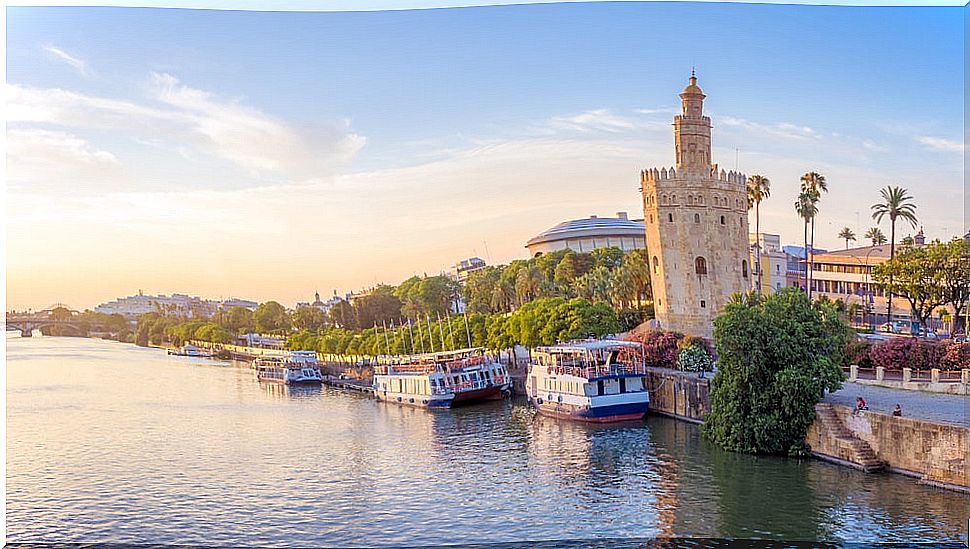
<point x="589" y="345"/>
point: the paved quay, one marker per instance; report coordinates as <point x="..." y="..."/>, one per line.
<point x="937" y="407"/>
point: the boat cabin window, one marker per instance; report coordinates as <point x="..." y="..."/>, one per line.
<point x="622" y="385"/>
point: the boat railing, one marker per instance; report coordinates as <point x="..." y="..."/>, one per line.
<point x="415" y="368"/>
<point x="590" y="371"/>
<point x="465" y="362"/>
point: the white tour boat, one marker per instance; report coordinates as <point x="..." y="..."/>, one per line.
<point x="441" y="380"/>
<point x="190" y="350"/>
<point x="288" y="371"/>
<point x="597" y="381"/>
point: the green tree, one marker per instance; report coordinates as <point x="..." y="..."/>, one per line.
<point x="308" y="318"/>
<point x="916" y="274"/>
<point x="528" y="282"/>
<point x="608" y="258"/>
<point x="343" y="315"/>
<point x="847" y="235"/>
<point x="955" y="278"/>
<point x="875" y="235"/>
<point x="759" y="188"/>
<point x="573" y="266"/>
<point x="896" y="204"/>
<point x="806" y="209"/>
<point x="236" y="320"/>
<point x="271" y="318"/>
<point x="480" y="288"/>
<point x="813" y="184"/>
<point x="776" y="355"/>
<point x="380" y="306"/>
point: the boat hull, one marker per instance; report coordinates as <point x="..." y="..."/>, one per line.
<point x="630" y="411"/>
<point x="494" y="392"/>
<point x="418" y="401"/>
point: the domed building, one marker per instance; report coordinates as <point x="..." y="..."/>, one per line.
<point x="584" y="235"/>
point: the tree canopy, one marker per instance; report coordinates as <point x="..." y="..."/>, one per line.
<point x="776" y="355"/>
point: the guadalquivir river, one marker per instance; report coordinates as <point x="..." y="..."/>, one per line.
<point x="108" y="442"/>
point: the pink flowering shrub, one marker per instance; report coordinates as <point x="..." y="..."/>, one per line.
<point x="659" y="347"/>
<point x="956" y="356"/>
<point x="893" y="354"/>
<point x="857" y="352"/>
<point x="899" y="353"/>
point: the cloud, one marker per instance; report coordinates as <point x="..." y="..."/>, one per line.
<point x="179" y="117"/>
<point x="79" y="64"/>
<point x="599" y="121"/>
<point x="941" y="144"/>
<point x="37" y="158"/>
<point x="784" y="130"/>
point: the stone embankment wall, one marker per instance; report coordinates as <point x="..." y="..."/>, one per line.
<point x="682" y="395"/>
<point x="936" y="453"/>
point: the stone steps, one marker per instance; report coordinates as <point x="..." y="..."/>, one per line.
<point x="858" y="451"/>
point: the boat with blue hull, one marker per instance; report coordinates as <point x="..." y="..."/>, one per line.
<point x="596" y="381"/>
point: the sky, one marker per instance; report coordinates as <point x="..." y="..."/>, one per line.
<point x="266" y="155"/>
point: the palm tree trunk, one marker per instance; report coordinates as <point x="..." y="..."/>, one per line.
<point x="892" y="254"/>
<point x="811" y="270"/>
<point x="806" y="254"/>
<point x="757" y="239"/>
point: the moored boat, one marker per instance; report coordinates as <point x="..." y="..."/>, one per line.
<point x="287" y="371"/>
<point x="597" y="381"/>
<point x="190" y="350"/>
<point x="441" y="380"/>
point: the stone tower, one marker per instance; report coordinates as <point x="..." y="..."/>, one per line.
<point x="696" y="220"/>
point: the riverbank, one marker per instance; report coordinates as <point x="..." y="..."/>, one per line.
<point x="934" y="451"/>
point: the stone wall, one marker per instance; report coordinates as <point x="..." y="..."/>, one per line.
<point x="678" y="394"/>
<point x="936" y="453"/>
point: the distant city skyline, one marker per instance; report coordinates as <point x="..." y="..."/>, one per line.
<point x="268" y="155"/>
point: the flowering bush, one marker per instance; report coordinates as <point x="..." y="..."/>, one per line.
<point x="893" y="354"/>
<point x="857" y="352"/>
<point x="659" y="347"/>
<point x="694" y="358"/>
<point x="899" y="353"/>
<point x="956" y="356"/>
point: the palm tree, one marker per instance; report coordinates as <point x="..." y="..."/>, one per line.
<point x="875" y="235"/>
<point x="806" y="209"/>
<point x="814" y="184"/>
<point x="895" y="204"/>
<point x="847" y="234"/>
<point x="759" y="188"/>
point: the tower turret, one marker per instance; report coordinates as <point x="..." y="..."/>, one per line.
<point x="692" y="130"/>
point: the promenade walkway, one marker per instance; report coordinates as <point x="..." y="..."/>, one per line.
<point x="936" y="407"/>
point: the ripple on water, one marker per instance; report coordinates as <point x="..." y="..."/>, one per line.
<point x="112" y="443"/>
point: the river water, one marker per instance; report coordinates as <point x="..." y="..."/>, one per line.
<point x="109" y="442"/>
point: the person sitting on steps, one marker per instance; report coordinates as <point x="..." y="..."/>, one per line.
<point x="860" y="405"/>
<point x="898" y="412"/>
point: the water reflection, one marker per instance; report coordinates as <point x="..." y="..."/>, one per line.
<point x="111" y="442"/>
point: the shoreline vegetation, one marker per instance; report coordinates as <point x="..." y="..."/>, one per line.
<point x="775" y="353"/>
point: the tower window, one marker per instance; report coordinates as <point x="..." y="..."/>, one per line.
<point x="700" y="265"/>
<point x="697" y="218"/>
<point x="744" y="268"/>
<point x="690" y="200"/>
<point x="703" y="304"/>
<point x="656" y="265"/>
<point x="670" y="217"/>
<point x="722" y="220"/>
<point x="651" y="219"/>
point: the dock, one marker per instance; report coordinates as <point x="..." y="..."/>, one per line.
<point x="359" y="385"/>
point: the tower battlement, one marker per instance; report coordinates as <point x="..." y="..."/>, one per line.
<point x="653" y="175"/>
